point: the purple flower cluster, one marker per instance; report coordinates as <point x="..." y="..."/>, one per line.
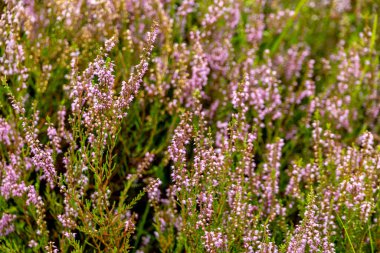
<point x="6" y="225"/>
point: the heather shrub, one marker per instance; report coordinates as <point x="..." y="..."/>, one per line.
<point x="189" y="126"/>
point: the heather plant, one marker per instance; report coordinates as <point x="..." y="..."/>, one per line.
<point x="189" y="126"/>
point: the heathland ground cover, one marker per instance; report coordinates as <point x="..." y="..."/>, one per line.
<point x="189" y="126"/>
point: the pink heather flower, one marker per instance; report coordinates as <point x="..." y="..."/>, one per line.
<point x="144" y="164"/>
<point x="6" y="226"/>
<point x="68" y="235"/>
<point x="255" y="28"/>
<point x="186" y="7"/>
<point x="214" y="241"/>
<point x="309" y="89"/>
<point x="12" y="60"/>
<point x="269" y="247"/>
<point x="153" y="191"/>
<point x="187" y="86"/>
<point x="240" y="98"/>
<point x="11" y="184"/>
<point x="366" y="209"/>
<point x="51" y="248"/>
<point x="218" y="56"/>
<point x="308" y="234"/>
<point x="129" y="89"/>
<point x="353" y="192"/>
<point x="130" y="223"/>
<point x="42" y="159"/>
<point x="205" y="202"/>
<point x="336" y="109"/>
<point x="17" y="106"/>
<point x="33" y="197"/>
<point x="270" y="177"/>
<point x="367" y="142"/>
<point x="277" y="21"/>
<point x="94" y="98"/>
<point x="342" y="6"/>
<point x="54" y="138"/>
<point x="5" y="132"/>
<point x="61" y="121"/>
<point x="110" y="43"/>
<point x="68" y="218"/>
<point x="264" y="93"/>
<point x="199" y="65"/>
<point x="293" y="61"/>
<point x="214" y="12"/>
<point x="32" y="244"/>
<point x="177" y="151"/>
